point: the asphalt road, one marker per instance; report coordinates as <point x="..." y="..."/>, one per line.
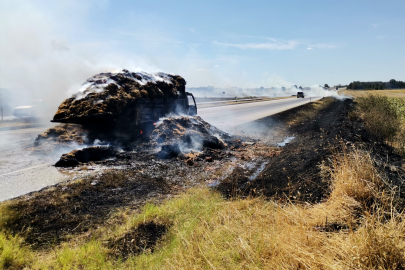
<point x="23" y="170"/>
<point x="228" y="117"/>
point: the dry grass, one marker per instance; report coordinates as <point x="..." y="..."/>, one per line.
<point x="364" y="93"/>
<point x="358" y="227"/>
<point x="342" y="233"/>
<point x="311" y="110"/>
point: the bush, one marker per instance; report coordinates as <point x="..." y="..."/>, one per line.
<point x="380" y="116"/>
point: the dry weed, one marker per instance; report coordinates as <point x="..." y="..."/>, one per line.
<point x="357" y="227"/>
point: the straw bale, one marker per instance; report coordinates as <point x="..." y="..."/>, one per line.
<point x="114" y="94"/>
<point x="61" y="136"/>
<point x="93" y="153"/>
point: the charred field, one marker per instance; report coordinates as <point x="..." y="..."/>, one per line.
<point x="319" y="131"/>
<point x="156" y="169"/>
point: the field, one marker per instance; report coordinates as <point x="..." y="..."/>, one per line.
<point x="400" y="93"/>
<point x="333" y="198"/>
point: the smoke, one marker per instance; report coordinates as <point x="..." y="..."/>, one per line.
<point x="38" y="61"/>
<point x="191" y="143"/>
<point x="35" y="64"/>
<point x="48" y="49"/>
<point x="313" y="91"/>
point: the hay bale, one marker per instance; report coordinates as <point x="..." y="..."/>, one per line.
<point x="93" y="153"/>
<point x="63" y="134"/>
<point x="114" y="94"/>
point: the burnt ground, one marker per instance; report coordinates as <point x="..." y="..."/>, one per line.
<point x="76" y="208"/>
<point x="244" y="167"/>
<point x="130" y="179"/>
<point x="295" y="174"/>
<point x="144" y="237"/>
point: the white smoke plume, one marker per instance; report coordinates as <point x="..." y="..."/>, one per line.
<point x="47" y="52"/>
<point x="39" y="62"/>
<point x="312" y="91"/>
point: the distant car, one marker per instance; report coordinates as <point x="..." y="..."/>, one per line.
<point x="300" y="94"/>
<point x="28" y="110"/>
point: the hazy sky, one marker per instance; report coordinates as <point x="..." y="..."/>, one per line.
<point x="56" y="45"/>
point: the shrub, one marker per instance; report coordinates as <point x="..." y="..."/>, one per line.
<point x="381" y="116"/>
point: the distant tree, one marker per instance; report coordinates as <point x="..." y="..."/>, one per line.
<point x="377" y="85"/>
<point x="326" y="85"/>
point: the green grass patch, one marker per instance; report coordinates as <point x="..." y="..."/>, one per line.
<point x="13" y="253"/>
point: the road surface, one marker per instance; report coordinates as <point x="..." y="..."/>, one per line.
<point x="227" y="117"/>
<point x="22" y="170"/>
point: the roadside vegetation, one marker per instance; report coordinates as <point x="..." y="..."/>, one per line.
<point x="391" y="84"/>
<point x="385" y="118"/>
<point x="310" y="111"/>
<point x="399" y="93"/>
<point x="360" y="224"/>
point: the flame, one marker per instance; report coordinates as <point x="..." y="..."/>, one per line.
<point x="154" y="124"/>
<point x="141" y="132"/>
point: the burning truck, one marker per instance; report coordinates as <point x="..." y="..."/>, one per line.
<point x="125" y="104"/>
<point x="119" y="108"/>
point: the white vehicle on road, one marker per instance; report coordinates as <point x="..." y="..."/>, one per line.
<point x="28" y="110"/>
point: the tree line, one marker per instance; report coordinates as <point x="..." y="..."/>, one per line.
<point x="392" y="84"/>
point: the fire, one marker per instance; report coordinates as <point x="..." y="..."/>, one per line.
<point x="141" y="132"/>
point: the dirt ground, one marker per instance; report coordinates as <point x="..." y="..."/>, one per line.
<point x="247" y="166"/>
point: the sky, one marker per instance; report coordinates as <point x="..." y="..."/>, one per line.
<point x="51" y="47"/>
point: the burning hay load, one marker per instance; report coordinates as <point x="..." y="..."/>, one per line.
<point x="112" y="105"/>
<point x="180" y="136"/>
<point x="125" y="105"/>
<point x="109" y="96"/>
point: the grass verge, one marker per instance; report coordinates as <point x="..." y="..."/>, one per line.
<point x="360" y="226"/>
<point x="311" y="110"/>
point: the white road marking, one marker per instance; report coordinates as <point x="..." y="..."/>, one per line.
<point x="26" y="169"/>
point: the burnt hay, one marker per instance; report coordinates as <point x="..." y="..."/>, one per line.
<point x="114" y="94"/>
